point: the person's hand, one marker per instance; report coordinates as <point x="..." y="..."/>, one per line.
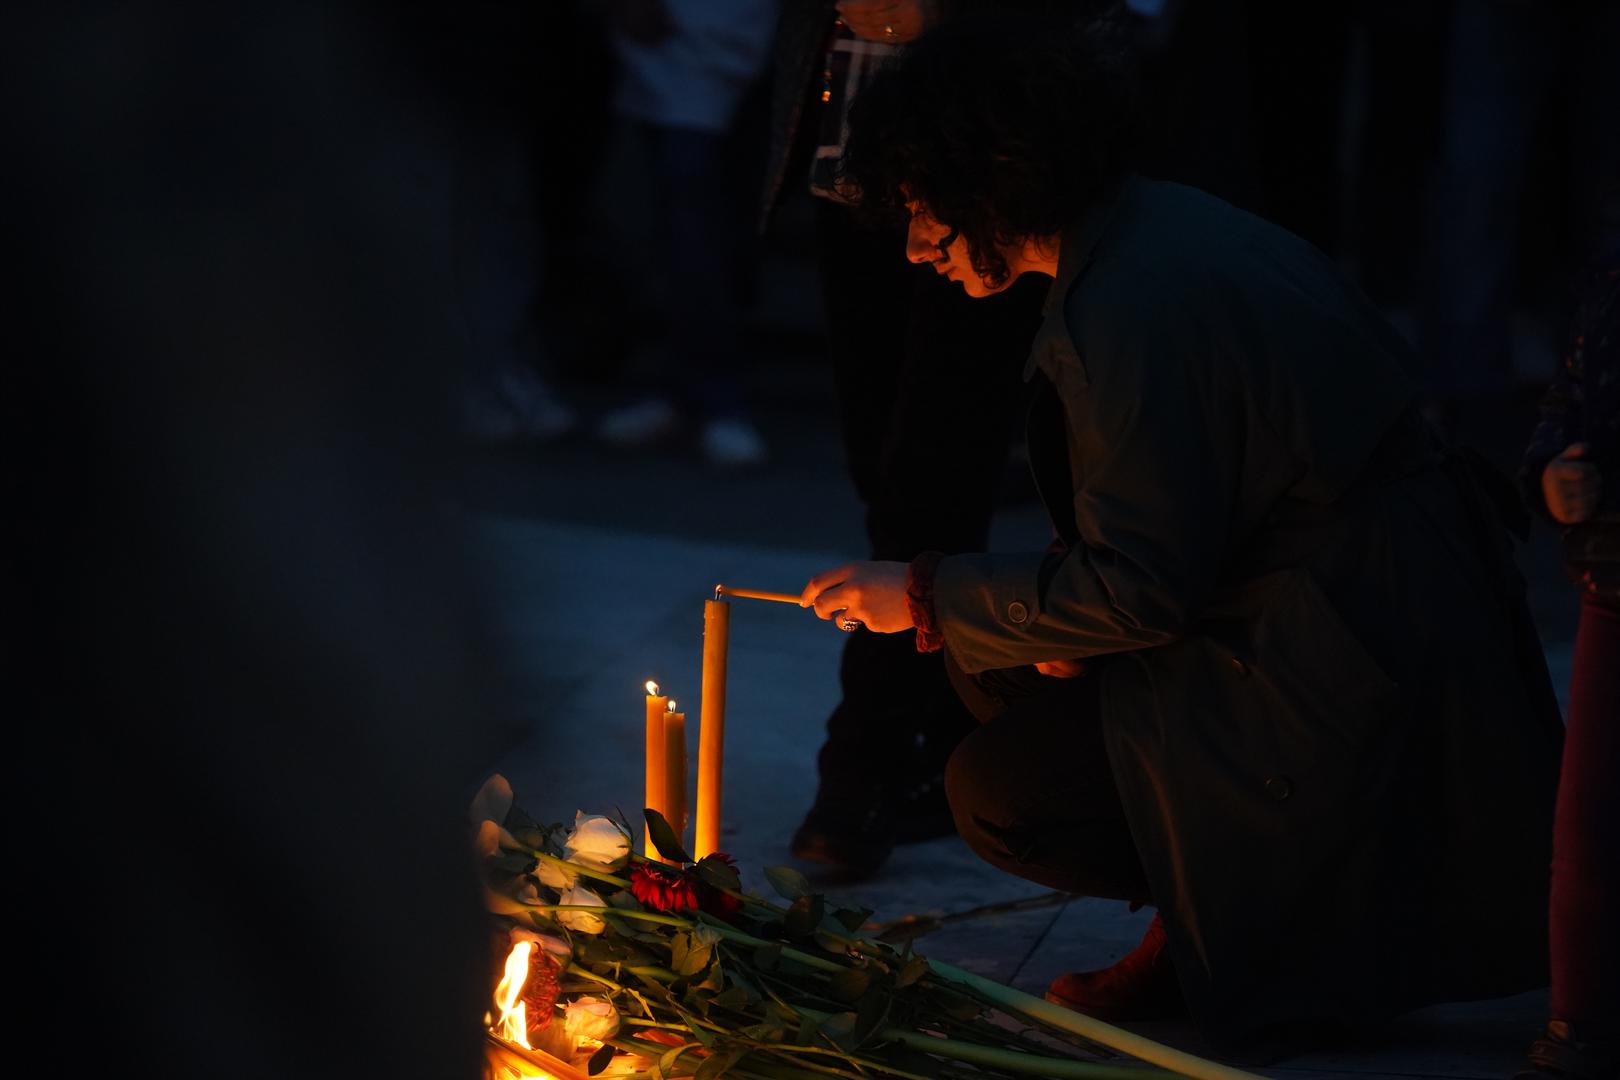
<point x="1571" y="485"/>
<point x="1062" y="669"/>
<point x="891" y="21"/>
<point x="872" y="592"/>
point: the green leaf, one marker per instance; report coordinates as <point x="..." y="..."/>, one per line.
<point x="715" y="980"/>
<point x="664" y="838"/>
<point x="669" y="1062"/>
<point x="765" y="1032"/>
<point x="716" y="1065"/>
<point x="806" y="1035"/>
<point x="600" y="1060"/>
<point x="853" y="918"/>
<point x="803" y="916"/>
<point x="600" y="950"/>
<point x="768" y="957"/>
<point x="524" y="829"/>
<point x="850" y="984"/>
<point x="696" y="1004"/>
<point x="713" y="870"/>
<point x="915" y="969"/>
<point x="699" y="1032"/>
<point x="736" y="998"/>
<point x="827" y="942"/>
<point x="689" y="953"/>
<point x="840" y="1028"/>
<point x="788" y="882"/>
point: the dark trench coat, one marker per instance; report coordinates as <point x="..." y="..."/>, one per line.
<point x="1326" y="709"/>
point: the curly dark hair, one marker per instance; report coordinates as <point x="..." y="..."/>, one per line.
<point x="1004" y="128"/>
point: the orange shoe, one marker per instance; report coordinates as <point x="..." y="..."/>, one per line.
<point x="1140" y="986"/>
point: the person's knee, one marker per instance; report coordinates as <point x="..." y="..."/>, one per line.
<point x="975" y="778"/>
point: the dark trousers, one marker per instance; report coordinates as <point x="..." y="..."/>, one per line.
<point x="1031" y="789"/>
<point x="928" y="382"/>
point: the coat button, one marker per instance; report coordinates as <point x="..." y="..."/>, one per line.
<point x="1279" y="788"/>
<point x="1239" y="666"/>
<point x="1017" y="612"/>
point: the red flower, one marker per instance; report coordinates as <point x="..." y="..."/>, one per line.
<point x="540" y="989"/>
<point x="715" y="901"/>
<point x="662" y="891"/>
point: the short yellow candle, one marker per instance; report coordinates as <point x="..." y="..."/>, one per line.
<point x="711" y="726"/>
<point x="657" y="705"/>
<point x="674" y="808"/>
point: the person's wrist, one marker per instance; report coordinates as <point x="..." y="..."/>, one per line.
<point x="920" y="600"/>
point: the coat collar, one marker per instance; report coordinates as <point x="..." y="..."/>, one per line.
<point x="1053" y="346"/>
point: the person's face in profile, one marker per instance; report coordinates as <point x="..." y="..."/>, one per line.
<point x="931" y="241"/>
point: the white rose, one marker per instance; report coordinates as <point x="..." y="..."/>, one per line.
<point x="586" y="922"/>
<point x="548" y="943"/>
<point x="558" y="877"/>
<point x="590" y="1018"/>
<point x="597" y="842"/>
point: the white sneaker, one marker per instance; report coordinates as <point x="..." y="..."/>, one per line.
<point x="640" y="424"/>
<point x="733" y="444"/>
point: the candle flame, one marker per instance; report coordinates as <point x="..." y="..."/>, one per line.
<point x="671" y="707"/>
<point x="652" y="688"/>
<point x="513" y="1024"/>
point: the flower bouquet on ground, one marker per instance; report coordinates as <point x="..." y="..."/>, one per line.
<point x="617" y="966"/>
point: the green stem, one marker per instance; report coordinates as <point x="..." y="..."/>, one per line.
<point x="603" y="909"/>
<point x="1052" y="1015"/>
<point x="582" y="871"/>
<point x="1003" y="997"/>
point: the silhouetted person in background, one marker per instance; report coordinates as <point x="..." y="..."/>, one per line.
<point x="925" y="387"/>
<point x="685" y="68"/>
<point x="1571" y="476"/>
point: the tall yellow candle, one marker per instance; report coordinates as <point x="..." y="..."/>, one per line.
<point x="657" y="705"/>
<point x="711" y="726"/>
<point x="674" y="809"/>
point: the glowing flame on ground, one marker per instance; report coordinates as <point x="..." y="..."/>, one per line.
<point x="652" y="688"/>
<point x="511" y="1026"/>
<point x="513" y="1022"/>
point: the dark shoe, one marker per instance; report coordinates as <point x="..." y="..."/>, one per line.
<point x="1140" y="986"/>
<point x="1563" y="1054"/>
<point x="850" y="836"/>
<point x="853" y="833"/>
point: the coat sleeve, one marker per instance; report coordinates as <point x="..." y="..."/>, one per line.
<point x="1163" y="433"/>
